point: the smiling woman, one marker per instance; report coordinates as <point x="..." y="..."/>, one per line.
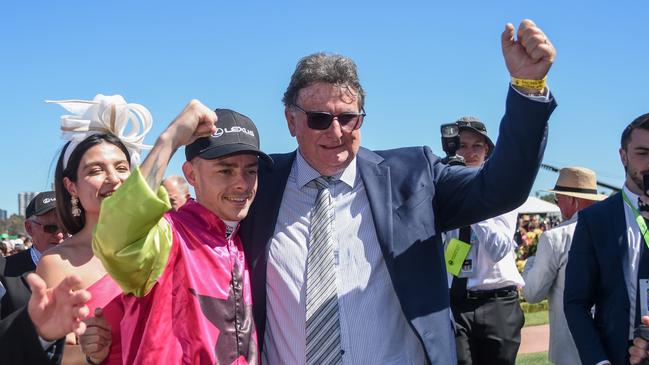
<point x="90" y="168"/>
<point x="92" y="171"/>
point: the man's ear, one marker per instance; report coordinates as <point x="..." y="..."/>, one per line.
<point x="29" y="228"/>
<point x="190" y="175"/>
<point x="290" y="120"/>
<point x="624" y="158"/>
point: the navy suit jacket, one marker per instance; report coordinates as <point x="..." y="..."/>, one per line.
<point x="595" y="276"/>
<point x="19" y="342"/>
<point x="414" y="198"/>
<point x="15" y="282"/>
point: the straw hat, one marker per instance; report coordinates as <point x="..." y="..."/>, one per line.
<point x="579" y="182"/>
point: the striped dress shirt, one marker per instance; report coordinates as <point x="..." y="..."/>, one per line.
<point x="374" y="329"/>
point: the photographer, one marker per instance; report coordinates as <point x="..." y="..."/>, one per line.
<point x="484" y="296"/>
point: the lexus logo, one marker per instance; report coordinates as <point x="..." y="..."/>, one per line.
<point x="236" y="129"/>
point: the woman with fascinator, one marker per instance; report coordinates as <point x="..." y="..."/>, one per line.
<point x="91" y="166"/>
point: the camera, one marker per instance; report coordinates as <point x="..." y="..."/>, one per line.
<point x="451" y="143"/>
<point x="645" y="186"/>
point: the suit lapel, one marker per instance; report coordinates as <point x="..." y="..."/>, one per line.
<point x="259" y="226"/>
<point x="28" y="261"/>
<point x="376" y="179"/>
<point x="272" y="183"/>
<point x="619" y="228"/>
<point x="620" y="237"/>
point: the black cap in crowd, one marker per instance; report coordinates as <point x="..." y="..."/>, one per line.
<point x="235" y="133"/>
<point x="41" y="204"/>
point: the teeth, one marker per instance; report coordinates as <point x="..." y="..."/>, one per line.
<point x="238" y="200"/>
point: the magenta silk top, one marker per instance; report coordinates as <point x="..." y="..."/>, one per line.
<point x="198" y="309"/>
<point x="106" y="294"/>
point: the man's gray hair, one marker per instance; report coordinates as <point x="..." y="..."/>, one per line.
<point x="328" y="68"/>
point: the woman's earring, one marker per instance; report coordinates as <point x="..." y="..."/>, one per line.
<point x="76" y="211"/>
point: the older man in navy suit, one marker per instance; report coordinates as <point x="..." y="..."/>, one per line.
<point x="344" y="243"/>
<point x="45" y="313"/>
<point x="43" y="226"/>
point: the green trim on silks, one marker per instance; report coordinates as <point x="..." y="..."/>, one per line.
<point x="131" y="239"/>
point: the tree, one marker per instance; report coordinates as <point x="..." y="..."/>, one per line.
<point x="547" y="197"/>
<point x="14" y="225"/>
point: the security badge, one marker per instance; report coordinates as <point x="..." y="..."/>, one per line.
<point x="460" y="257"/>
<point x="644" y="297"/>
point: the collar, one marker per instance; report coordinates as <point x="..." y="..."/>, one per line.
<point x="203" y="216"/>
<point x="633" y="197"/>
<point x="36" y="255"/>
<point x="574" y="218"/>
<point x="304" y="173"/>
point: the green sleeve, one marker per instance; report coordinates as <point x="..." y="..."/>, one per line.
<point x="131" y="239"/>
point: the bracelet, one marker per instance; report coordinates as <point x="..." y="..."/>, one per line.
<point x="89" y="361"/>
<point x="529" y="84"/>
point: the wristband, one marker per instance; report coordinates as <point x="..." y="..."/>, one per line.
<point x="529" y="84"/>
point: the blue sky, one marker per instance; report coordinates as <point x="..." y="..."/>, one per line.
<point x="421" y="63"/>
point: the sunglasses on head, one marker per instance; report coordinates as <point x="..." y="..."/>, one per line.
<point x="322" y="120"/>
<point x="49" y="228"/>
<point x="471" y="124"/>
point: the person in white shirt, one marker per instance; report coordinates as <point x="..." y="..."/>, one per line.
<point x="484" y="296"/>
<point x="544" y="275"/>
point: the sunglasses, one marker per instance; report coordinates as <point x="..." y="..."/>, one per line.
<point x="472" y="124"/>
<point x="322" y="120"/>
<point x="49" y="228"/>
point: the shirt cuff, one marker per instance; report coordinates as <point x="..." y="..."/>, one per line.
<point x="540" y="98"/>
<point x="605" y="362"/>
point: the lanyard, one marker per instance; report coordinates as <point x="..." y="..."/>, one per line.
<point x="638" y="218"/>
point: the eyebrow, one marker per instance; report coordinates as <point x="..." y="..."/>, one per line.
<point x="234" y="165"/>
<point x="95" y="163"/>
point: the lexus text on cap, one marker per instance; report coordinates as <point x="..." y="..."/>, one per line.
<point x="235" y="133"/>
<point x="41" y="204"/>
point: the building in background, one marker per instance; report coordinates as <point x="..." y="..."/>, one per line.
<point x="3" y="215"/>
<point x="23" y="199"/>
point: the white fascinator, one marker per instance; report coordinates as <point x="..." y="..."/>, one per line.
<point x="105" y="114"/>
